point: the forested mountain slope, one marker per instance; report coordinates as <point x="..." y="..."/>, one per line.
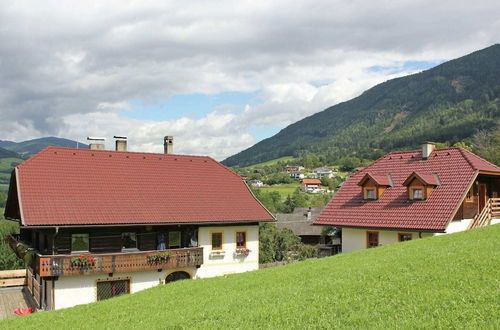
<point x="447" y="103"/>
<point x="31" y="147"/>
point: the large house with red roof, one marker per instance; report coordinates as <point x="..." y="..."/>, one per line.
<point x="414" y="194"/>
<point x="103" y="223"/>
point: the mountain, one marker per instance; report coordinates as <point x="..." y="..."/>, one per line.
<point x="6" y="143"/>
<point x="447" y="103"/>
<point x="31" y="147"/>
<point x="4" y="153"/>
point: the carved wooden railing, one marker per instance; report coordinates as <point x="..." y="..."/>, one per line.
<point x="56" y="265"/>
<point x="491" y="210"/>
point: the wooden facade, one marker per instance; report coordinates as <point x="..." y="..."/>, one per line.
<point x="484" y="188"/>
<point x="106" y="252"/>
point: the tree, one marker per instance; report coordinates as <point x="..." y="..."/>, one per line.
<point x="349" y="163"/>
<point x="462" y="144"/>
<point x="281" y="245"/>
<point x="486" y="144"/>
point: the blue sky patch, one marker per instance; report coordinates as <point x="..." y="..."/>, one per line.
<point x="407" y="66"/>
<point x="195" y="105"/>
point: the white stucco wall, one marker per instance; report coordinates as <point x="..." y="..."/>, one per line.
<point x="456" y="226"/>
<point x="75" y="290"/>
<point x="228" y="263"/>
<point x="355" y="239"/>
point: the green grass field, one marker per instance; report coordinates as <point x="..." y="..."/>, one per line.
<point x="5" y="163"/>
<point x="271" y="162"/>
<point x="450" y="281"/>
<point x="283" y="189"/>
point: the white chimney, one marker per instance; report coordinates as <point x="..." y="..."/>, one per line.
<point x="96" y="143"/>
<point x="427" y="149"/>
<point x="168" y="144"/>
<point x="120" y="143"/>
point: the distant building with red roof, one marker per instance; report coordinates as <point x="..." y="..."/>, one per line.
<point x="104" y="223"/>
<point x="413" y="194"/>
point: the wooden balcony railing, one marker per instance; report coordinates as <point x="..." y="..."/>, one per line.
<point x="56" y="265"/>
<point x="491" y="210"/>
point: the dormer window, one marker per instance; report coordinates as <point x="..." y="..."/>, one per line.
<point x="420" y="186"/>
<point x="417" y="193"/>
<point x="370" y="193"/>
<point x="373" y="185"/>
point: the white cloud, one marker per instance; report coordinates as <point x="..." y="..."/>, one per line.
<point x="68" y="69"/>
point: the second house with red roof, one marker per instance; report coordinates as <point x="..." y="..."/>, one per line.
<point x="414" y="194"/>
<point x="97" y="224"/>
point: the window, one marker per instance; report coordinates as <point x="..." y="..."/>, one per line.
<point x="470" y="196"/>
<point x="241" y="239"/>
<point x="371" y="239"/>
<point x="174" y="239"/>
<point x="129" y="241"/>
<point x="404" y="237"/>
<point x="110" y="289"/>
<point x="79" y="242"/>
<point x="371" y="194"/>
<point x="216" y="241"/>
<point x="418" y="193"/>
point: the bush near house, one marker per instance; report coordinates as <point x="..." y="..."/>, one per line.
<point x="8" y="259"/>
<point x="449" y="281"/>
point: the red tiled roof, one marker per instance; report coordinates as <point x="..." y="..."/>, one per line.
<point x="63" y="186"/>
<point x="381" y="180"/>
<point x="456" y="168"/>
<point x="311" y="181"/>
<point x="428" y="179"/>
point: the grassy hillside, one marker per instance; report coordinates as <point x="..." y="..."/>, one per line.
<point x="449" y="281"/>
<point x="284" y="160"/>
<point x="6" y="166"/>
<point x="447" y="103"/>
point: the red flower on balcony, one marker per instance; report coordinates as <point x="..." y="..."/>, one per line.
<point x="83" y="260"/>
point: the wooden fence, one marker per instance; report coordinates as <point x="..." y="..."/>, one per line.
<point x="34" y="287"/>
<point x="12" y="278"/>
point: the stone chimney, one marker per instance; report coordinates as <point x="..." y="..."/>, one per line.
<point x="168" y="144"/>
<point x="120" y="143"/>
<point x="427" y="149"/>
<point x="96" y="143"/>
<point x="309" y="214"/>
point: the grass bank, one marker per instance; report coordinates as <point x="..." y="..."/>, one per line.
<point x="449" y="281"/>
<point x="283" y="189"/>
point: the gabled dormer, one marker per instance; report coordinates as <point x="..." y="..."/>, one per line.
<point x="373" y="185"/>
<point x="419" y="186"/>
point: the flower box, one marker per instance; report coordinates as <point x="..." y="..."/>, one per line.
<point x="242" y="252"/>
<point x="83" y="261"/>
<point x="218" y="253"/>
<point x="159" y="257"/>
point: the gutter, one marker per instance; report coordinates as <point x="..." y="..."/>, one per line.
<point x="59" y="226"/>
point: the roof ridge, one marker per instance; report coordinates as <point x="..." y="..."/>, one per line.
<point x="461" y="150"/>
<point x="38" y="154"/>
<point x="123" y="152"/>
<point x="467" y="154"/>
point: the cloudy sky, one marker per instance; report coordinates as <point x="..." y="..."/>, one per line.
<point x="218" y="75"/>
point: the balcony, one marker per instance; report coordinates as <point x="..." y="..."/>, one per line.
<point x="57" y="265"/>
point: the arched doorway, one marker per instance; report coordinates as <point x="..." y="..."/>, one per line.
<point x="177" y="276"/>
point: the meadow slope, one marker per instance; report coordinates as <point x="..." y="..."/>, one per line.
<point x="450" y="281"/>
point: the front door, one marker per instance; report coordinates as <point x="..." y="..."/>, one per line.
<point x="482" y="196"/>
<point x="371" y="239"/>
